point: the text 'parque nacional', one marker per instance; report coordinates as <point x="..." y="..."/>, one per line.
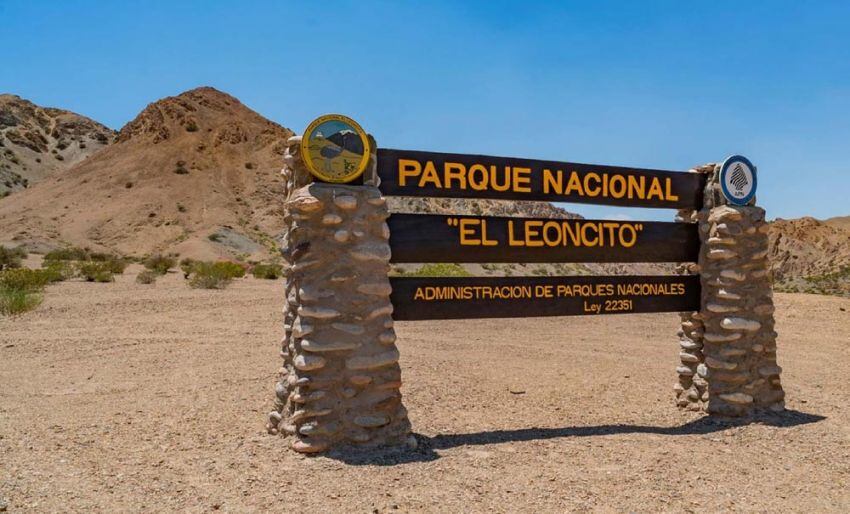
<point x="413" y="173"/>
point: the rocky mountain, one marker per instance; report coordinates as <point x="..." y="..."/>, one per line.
<point x="811" y="255"/>
<point x="36" y="142"/>
<point x="196" y="174"/>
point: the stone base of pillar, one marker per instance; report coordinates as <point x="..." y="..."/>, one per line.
<point x="340" y="381"/>
<point x="692" y="387"/>
<point x="739" y="340"/>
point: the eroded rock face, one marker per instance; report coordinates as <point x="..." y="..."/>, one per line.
<point x="728" y="348"/>
<point x="340" y="381"/>
<point x="36" y="142"/>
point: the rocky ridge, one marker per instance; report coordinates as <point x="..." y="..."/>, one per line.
<point x="36" y="142"/>
<point x="196" y="174"/>
<point x="199" y="174"/>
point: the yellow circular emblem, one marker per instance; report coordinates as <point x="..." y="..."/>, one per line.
<point x="335" y="148"/>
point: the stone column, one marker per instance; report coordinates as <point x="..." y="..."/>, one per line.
<point x="692" y="388"/>
<point x="730" y="345"/>
<point x="340" y="379"/>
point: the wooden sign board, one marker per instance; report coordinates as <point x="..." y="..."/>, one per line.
<point x="494" y="239"/>
<point x="519" y="297"/>
<point x="445" y="175"/>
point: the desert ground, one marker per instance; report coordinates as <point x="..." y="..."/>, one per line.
<point x="126" y="397"/>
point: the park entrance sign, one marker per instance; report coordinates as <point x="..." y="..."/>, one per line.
<point x="491" y="239"/>
<point x="340" y="380"/>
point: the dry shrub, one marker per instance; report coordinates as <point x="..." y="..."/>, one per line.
<point x="96" y="272"/>
<point x="213" y="275"/>
<point x="267" y="271"/>
<point x="160" y="263"/>
<point x="114" y="263"/>
<point x="11" y="257"/>
<point x="67" y="254"/>
<point x="20" y="290"/>
<point x="146" y="277"/>
<point x="206" y="275"/>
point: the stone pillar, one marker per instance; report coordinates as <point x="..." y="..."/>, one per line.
<point x="340" y="379"/>
<point x="692" y="388"/>
<point x="729" y="346"/>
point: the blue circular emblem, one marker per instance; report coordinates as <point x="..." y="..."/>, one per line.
<point x="738" y="180"/>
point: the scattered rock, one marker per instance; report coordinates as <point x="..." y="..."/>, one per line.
<point x="305" y="362"/>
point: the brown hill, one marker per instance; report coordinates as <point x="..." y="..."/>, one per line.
<point x="842" y="222"/>
<point x="808" y="254"/>
<point x="36" y="142"/>
<point x="196" y="174"/>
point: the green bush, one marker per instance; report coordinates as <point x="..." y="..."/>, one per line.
<point x="96" y="272"/>
<point x="113" y="263"/>
<point x="187" y="265"/>
<point x="57" y="271"/>
<point x="116" y="265"/>
<point x="439" y="270"/>
<point x="231" y="269"/>
<point x="67" y="254"/>
<point x="267" y="271"/>
<point x="13" y="301"/>
<point x="160" y="263"/>
<point x="209" y="275"/>
<point x="24" y="279"/>
<point x="11" y="257"/>
<point x="20" y="290"/>
<point x="146" y="277"/>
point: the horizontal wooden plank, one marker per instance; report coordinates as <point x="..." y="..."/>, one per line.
<point x="447" y="175"/>
<point x="416" y="298"/>
<point x="444" y="238"/>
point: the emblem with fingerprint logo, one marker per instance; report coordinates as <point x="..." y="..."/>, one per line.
<point x="738" y="180"/>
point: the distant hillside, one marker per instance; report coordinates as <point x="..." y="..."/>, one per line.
<point x="478" y="207"/>
<point x="842" y="222"/>
<point x="197" y="174"/>
<point x="811" y="255"/>
<point x="36" y="142"/>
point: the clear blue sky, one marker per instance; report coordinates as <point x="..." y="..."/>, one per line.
<point x="648" y="84"/>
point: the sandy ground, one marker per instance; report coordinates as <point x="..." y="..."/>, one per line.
<point x="153" y="398"/>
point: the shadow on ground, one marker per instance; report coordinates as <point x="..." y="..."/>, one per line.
<point x="427" y="445"/>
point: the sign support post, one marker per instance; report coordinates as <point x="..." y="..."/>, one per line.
<point x="728" y="348"/>
<point x="340" y="379"/>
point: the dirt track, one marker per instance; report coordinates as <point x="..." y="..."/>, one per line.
<point x="139" y="398"/>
